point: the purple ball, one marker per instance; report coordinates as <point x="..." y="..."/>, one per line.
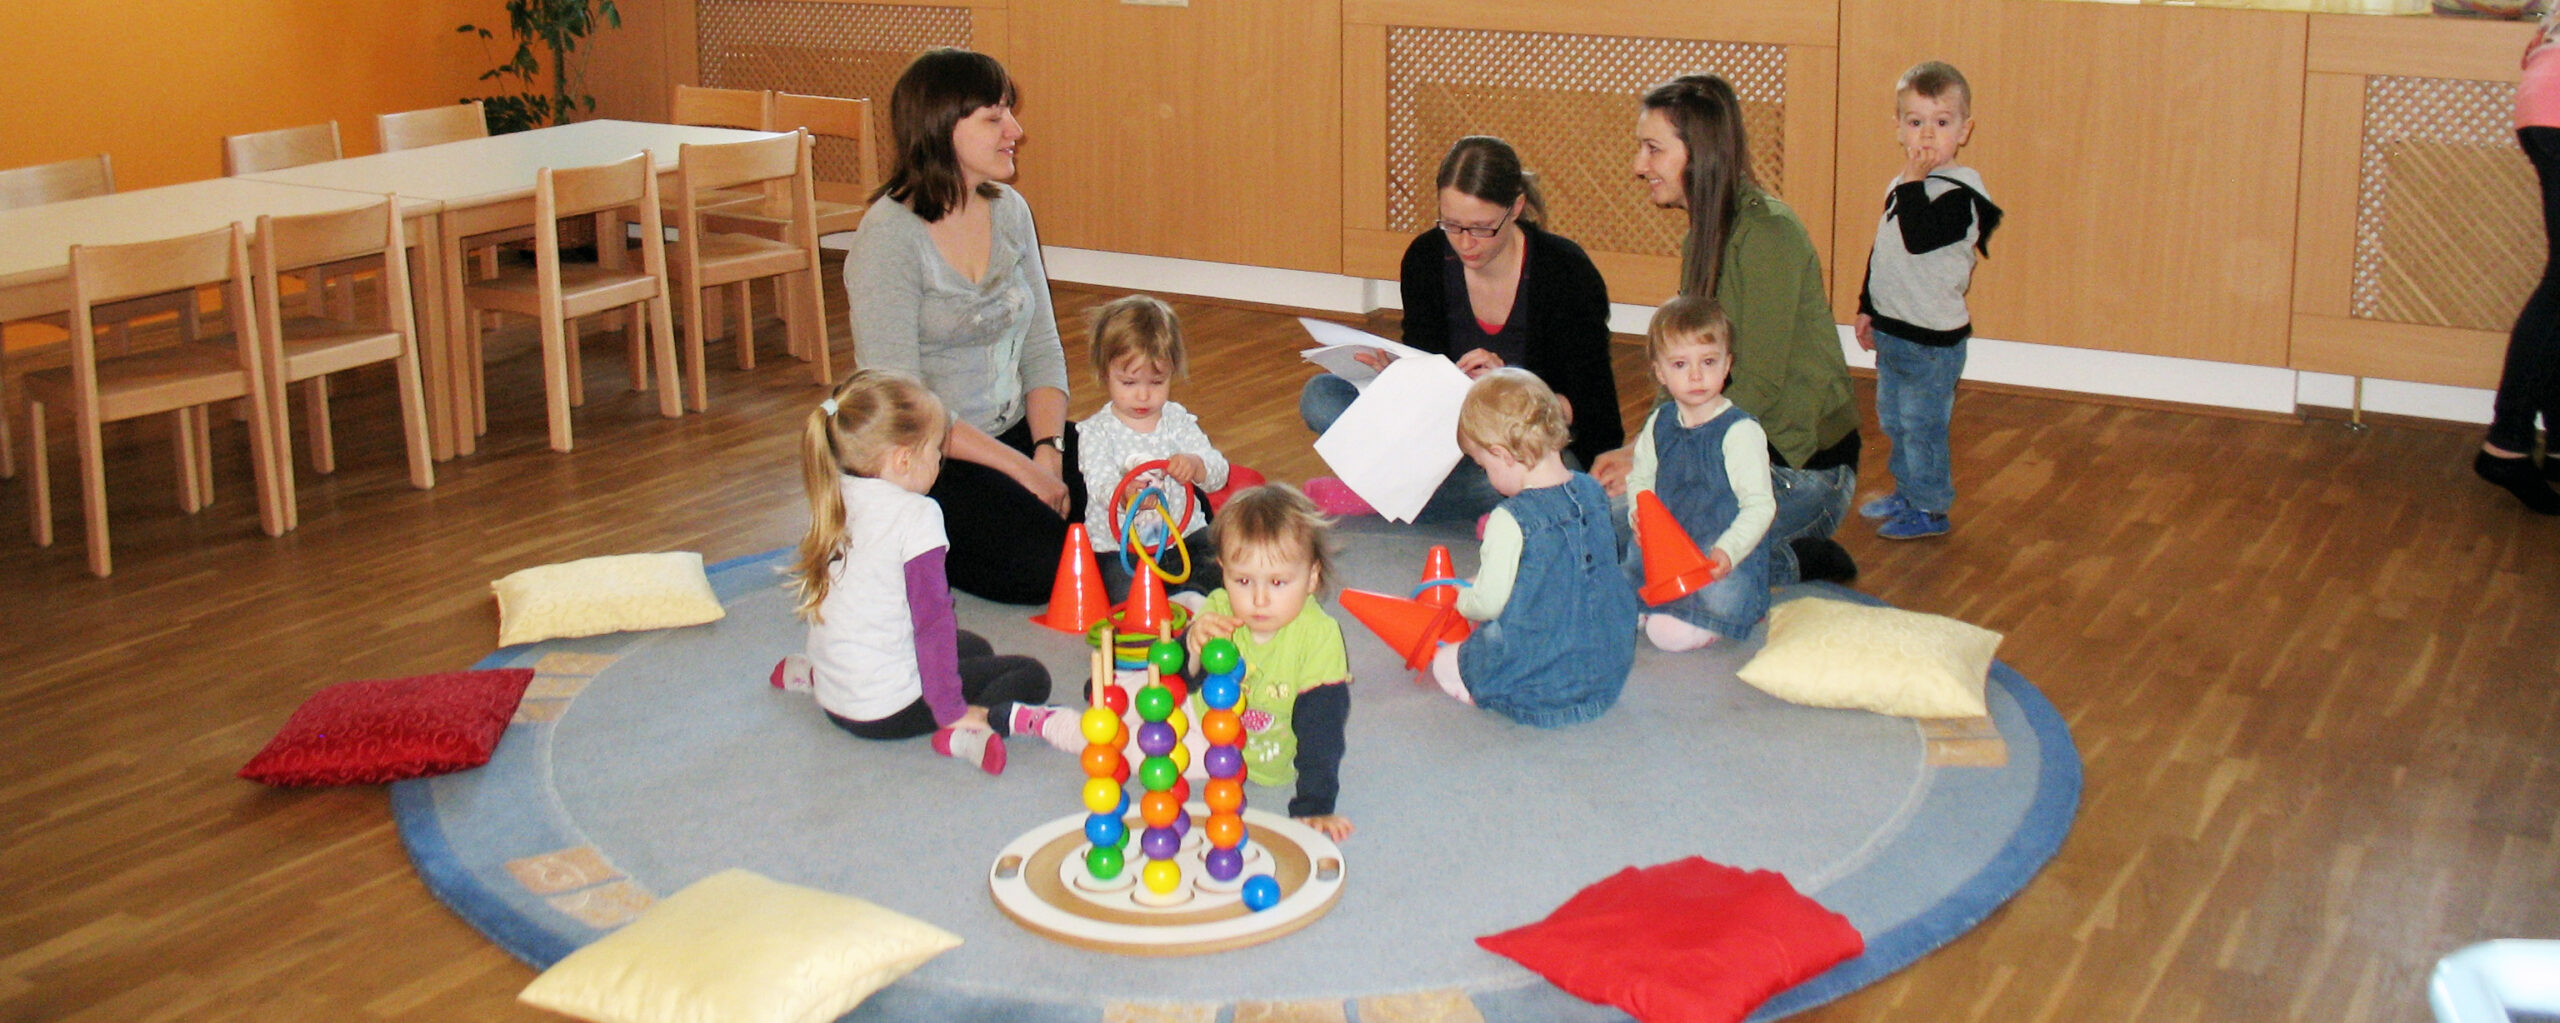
<point x="1155" y="738"/>
<point x="1160" y="843"/>
<point x="1225" y="864"/>
<point x="1223" y="762"/>
<point x="1182" y="822"/>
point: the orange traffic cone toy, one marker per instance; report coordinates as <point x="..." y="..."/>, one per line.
<point x="1413" y="629"/>
<point x="1146" y="612"/>
<point x="1076" y="600"/>
<point x="1436" y="567"/>
<point x="1673" y="565"/>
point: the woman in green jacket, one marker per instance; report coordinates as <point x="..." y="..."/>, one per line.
<point x="1748" y="250"/>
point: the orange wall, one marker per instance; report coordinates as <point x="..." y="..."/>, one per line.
<point x="158" y="84"/>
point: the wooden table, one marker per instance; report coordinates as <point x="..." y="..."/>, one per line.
<point x="485" y="185"/>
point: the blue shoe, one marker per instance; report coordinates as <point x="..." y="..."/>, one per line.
<point x="1912" y="524"/>
<point x="1883" y="508"/>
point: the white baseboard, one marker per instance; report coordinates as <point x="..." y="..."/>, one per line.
<point x="2052" y="367"/>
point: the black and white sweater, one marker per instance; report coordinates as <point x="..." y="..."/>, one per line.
<point x="1923" y="259"/>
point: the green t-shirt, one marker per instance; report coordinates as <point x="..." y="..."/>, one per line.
<point x="1304" y="654"/>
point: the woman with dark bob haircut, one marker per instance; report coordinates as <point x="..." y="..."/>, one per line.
<point x="946" y="285"/>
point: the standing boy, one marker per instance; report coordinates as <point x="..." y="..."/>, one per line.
<point x="1911" y="311"/>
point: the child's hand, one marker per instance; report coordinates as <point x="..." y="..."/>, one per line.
<point x="1719" y="563"/>
<point x="1917" y="162"/>
<point x="1186" y="469"/>
<point x="1334" y="826"/>
<point x="1866" y="332"/>
<point x="1206" y="627"/>
<point x="1611" y="469"/>
<point x="1478" y="362"/>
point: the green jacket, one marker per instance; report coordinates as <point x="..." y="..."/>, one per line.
<point x="1787" y="368"/>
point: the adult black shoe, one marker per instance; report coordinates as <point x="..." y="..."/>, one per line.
<point x="2517" y="476"/>
<point x="1821" y="559"/>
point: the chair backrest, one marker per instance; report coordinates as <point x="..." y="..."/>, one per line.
<point x="432" y="126"/>
<point x="311" y="239"/>
<point x="834" y="117"/>
<point x="55" y="182"/>
<point x="279" y="149"/>
<point x="721" y="108"/>
<point x="731" y="164"/>
<point x="570" y="191"/>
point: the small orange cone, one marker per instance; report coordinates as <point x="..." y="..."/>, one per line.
<point x="1413" y="629"/>
<point x="1145" y="613"/>
<point x="1437" y="565"/>
<point x="1673" y="565"/>
<point x="1076" y="601"/>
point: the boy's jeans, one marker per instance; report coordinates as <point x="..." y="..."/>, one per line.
<point x="1915" y="399"/>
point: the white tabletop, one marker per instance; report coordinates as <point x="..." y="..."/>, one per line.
<point x="35" y="241"/>
<point x="501" y="167"/>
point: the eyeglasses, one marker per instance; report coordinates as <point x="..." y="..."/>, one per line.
<point x="1454" y="230"/>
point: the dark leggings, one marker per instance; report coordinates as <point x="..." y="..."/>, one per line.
<point x="2529" y="386"/>
<point x="987" y="679"/>
<point x="1004" y="542"/>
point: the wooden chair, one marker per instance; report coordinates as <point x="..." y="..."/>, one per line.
<point x="308" y="348"/>
<point x="433" y="126"/>
<point x="557" y="295"/>
<point x="181" y="379"/>
<point x="58" y="182"/>
<point x="840" y="204"/>
<point x="705" y="259"/>
<point x="295" y="147"/>
<point x="720" y="108"/>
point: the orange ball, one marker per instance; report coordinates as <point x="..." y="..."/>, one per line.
<point x="1225" y="830"/>
<point x="1120" y="737"/>
<point x="1221" y="727"/>
<point x="1100" y="761"/>
<point x="1225" y="795"/>
<point x="1159" y="809"/>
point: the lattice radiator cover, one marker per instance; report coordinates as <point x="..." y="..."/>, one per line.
<point x="2448" y="216"/>
<point x="1569" y="104"/>
<point x="823" y="49"/>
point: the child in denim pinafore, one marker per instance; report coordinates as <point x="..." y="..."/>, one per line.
<point x="1708" y="461"/>
<point x="1558" y="617"/>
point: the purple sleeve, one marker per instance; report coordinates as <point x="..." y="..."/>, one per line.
<point x="937" y="635"/>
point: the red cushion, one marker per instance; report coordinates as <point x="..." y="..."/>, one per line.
<point x="360" y="733"/>
<point x="1239" y="480"/>
<point x="1684" y="941"/>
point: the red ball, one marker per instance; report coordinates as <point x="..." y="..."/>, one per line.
<point x="1119" y="769"/>
<point x="1101" y="761"/>
<point x="1225" y="830"/>
<point x="1181" y="691"/>
<point x="1225" y="795"/>
<point x="1181" y="790"/>
<point x="1116" y="698"/>
<point x="1159" y="809"/>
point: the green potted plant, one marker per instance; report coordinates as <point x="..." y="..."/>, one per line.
<point x="558" y="25"/>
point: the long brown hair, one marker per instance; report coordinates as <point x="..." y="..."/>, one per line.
<point x="1707" y="115"/>
<point x="932" y="95"/>
<point x="1487" y="168"/>
<point x="870" y="414"/>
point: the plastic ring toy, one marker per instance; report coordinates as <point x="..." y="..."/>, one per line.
<point x="1126" y="506"/>
<point x="1427" y="584"/>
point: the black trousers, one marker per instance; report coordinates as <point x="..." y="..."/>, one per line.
<point x="2529" y="385"/>
<point x="987" y="679"/>
<point x="1004" y="542"/>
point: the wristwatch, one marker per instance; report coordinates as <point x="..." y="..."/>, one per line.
<point x="1058" y="441"/>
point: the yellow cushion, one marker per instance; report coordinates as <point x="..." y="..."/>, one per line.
<point x="594" y="596"/>
<point x="1832" y="653"/>
<point x="738" y="947"/>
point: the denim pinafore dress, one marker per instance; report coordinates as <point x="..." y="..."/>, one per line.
<point x="1559" y="651"/>
<point x="1690" y="478"/>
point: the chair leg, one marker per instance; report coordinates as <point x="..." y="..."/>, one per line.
<point x="557" y="360"/>
<point x="662" y="331"/>
<point x="413" y="419"/>
<point x="635" y="345"/>
<point x="39" y="477"/>
<point x="276" y="511"/>
<point x="204" y="452"/>
<point x="315" y="401"/>
<point x="182" y="447"/>
<point x="697" y="389"/>
<point x="8" y="445"/>
<point x="93" y="494"/>
<point x="813" y="310"/>
<point x="746" y="330"/>
<point x="575" y="346"/>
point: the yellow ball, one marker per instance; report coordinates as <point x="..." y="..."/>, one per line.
<point x="1161" y="876"/>
<point x="1180" y="720"/>
<point x="1099" y="724"/>
<point x="1181" y="758"/>
<point x="1101" y="795"/>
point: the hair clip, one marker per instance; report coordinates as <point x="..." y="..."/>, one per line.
<point x="828" y="406"/>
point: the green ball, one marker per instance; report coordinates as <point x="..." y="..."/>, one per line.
<point x="1104" y="862"/>
<point x="1158" y="773"/>
<point x="1218" y="656"/>
<point x="1155" y="703"/>
<point x="1166" y="655"/>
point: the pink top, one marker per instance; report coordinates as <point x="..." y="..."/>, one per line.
<point x="2538" y="95"/>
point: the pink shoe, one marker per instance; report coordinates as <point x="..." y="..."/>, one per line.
<point x="982" y="748"/>
<point x="1054" y="725"/>
<point x="1334" y="497"/>
<point x="791" y="674"/>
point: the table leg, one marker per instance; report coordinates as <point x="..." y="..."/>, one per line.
<point x="459" y="420"/>
<point x="426" y="289"/>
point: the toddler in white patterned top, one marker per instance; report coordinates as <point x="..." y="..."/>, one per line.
<point x="1137" y="350"/>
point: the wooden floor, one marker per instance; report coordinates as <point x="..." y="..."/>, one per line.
<point x="2314" y="674"/>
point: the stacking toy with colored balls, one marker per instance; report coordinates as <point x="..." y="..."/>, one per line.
<point x="1159" y="739"/>
<point x="1222" y="693"/>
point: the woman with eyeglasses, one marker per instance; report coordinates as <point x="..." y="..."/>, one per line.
<point x="1748" y="251"/>
<point x="1489" y="287"/>
<point x="946" y="285"/>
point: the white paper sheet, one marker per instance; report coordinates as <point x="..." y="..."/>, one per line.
<point x="1396" y="443"/>
<point x="1336" y="345"/>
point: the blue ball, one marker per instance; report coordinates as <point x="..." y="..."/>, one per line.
<point x="1261" y="892"/>
<point x="1155" y="738"/>
<point x="1106" y="829"/>
<point x="1162" y="843"/>
<point x="1220" y="692"/>
<point x="1225" y="864"/>
<point x="1223" y="762"/>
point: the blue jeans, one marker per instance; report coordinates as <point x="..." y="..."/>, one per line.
<point x="1464" y="497"/>
<point x="1811" y="504"/>
<point x="1915" y="399"/>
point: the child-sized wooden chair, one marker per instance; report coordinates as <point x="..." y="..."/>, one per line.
<point x="307" y="348"/>
<point x="182" y="379"/>
<point x="704" y="259"/>
<point x="557" y="294"/>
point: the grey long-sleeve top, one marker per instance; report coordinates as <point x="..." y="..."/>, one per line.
<point x="979" y="347"/>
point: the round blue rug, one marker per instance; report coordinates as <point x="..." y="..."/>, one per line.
<point x="640" y="763"/>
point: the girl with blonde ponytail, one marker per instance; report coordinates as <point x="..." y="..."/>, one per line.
<point x="885" y="657"/>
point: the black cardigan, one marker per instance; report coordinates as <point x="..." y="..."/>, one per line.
<point x="1567" y="303"/>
